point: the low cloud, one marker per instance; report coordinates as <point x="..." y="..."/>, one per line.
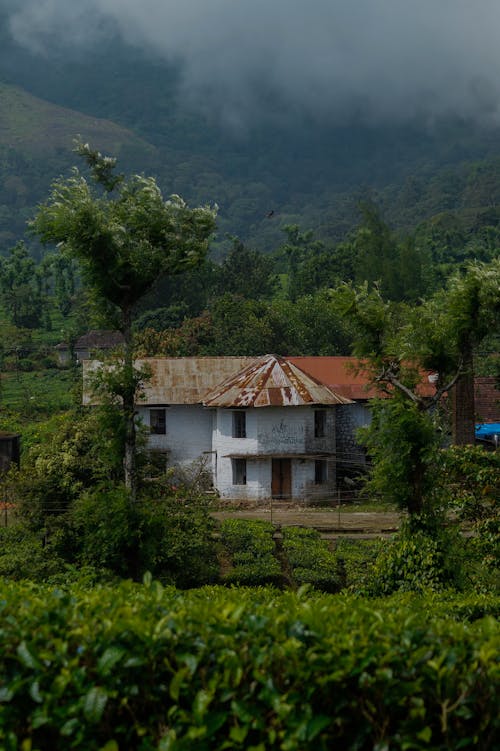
<point x="336" y="60"/>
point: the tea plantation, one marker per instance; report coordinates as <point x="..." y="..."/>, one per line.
<point x="142" y="667"/>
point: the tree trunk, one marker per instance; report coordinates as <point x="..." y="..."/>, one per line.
<point x="462" y="398"/>
<point x="129" y="458"/>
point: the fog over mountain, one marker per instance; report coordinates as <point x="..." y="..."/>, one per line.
<point x="337" y="60"/>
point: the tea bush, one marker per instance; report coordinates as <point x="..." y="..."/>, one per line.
<point x="251" y="547"/>
<point x="141" y="668"/>
<point x="310" y="559"/>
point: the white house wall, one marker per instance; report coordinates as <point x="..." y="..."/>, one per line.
<point x="188" y="433"/>
<point x="193" y="432"/>
<point x="274" y="431"/>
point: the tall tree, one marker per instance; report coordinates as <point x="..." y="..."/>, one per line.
<point x="246" y="272"/>
<point x="450" y="328"/>
<point x="397" y="343"/>
<point x="124" y="235"/>
<point x="20" y="287"/>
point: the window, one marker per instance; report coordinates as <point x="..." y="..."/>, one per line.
<point x="157" y="421"/>
<point x="319" y="423"/>
<point x="320" y="472"/>
<point x="239" y="471"/>
<point x="239" y="424"/>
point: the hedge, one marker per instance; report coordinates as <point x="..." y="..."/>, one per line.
<point x="310" y="558"/>
<point x="251" y="547"/>
<point x="136" y="668"/>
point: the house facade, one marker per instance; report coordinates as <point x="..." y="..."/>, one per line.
<point x="268" y="427"/>
<point x="261" y="427"/>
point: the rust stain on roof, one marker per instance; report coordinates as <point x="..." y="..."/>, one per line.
<point x="272" y="381"/>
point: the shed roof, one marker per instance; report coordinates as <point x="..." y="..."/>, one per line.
<point x="272" y="381"/>
<point x="99" y="339"/>
<point x="174" y="380"/>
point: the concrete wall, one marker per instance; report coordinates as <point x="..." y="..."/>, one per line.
<point x="194" y="433"/>
<point x="188" y="433"/>
<point x="350" y="455"/>
<point x="272" y="431"/>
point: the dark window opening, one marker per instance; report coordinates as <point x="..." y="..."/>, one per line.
<point x="239" y="471"/>
<point x="157" y="421"/>
<point x="319" y="423"/>
<point x="320" y="471"/>
<point x="239" y="424"/>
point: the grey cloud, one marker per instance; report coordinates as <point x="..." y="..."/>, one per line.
<point x="337" y="59"/>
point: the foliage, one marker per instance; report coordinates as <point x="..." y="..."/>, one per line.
<point x="398" y="267"/>
<point x="251" y="547"/>
<point x="147" y="668"/>
<point x="69" y="453"/>
<point x="123" y="235"/>
<point x="171" y="539"/>
<point x="37" y="395"/>
<point x="424" y="555"/>
<point x="24" y="554"/>
<point x="310" y="263"/>
<point x="355" y="560"/>
<point x="402" y="442"/>
<point x="246" y="273"/>
<point x="20" y="288"/>
<point x="470" y="475"/>
<point x="310" y="559"/>
<point x="125" y="241"/>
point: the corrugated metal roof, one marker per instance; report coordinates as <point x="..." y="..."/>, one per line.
<point x="272" y="381"/>
<point x="178" y="380"/>
<point x="187" y="380"/>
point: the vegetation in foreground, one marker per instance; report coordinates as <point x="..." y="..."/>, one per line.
<point x="140" y="667"/>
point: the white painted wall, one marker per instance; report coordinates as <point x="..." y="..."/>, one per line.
<point x="273" y="431"/>
<point x="188" y="432"/>
<point x="194" y="432"/>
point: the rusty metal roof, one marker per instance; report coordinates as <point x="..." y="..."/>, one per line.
<point x="272" y="381"/>
<point x="176" y="380"/>
<point x="187" y="380"/>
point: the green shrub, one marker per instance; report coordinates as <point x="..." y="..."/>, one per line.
<point x="251" y="547"/>
<point x="418" y="559"/>
<point x="310" y="559"/>
<point x="142" y="668"/>
<point x="355" y="561"/>
<point x="174" y="541"/>
<point x="469" y="474"/>
<point x="25" y="555"/>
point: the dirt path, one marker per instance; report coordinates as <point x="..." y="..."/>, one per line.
<point x="332" y="523"/>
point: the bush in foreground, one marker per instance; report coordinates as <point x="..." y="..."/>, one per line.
<point x="142" y="668"/>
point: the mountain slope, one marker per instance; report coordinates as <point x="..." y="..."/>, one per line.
<point x="36" y="142"/>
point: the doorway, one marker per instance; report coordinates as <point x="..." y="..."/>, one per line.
<point x="281" y="481"/>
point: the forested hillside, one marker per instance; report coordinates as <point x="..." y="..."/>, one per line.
<point x="262" y="174"/>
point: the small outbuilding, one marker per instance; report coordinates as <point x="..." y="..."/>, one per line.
<point x="10" y="449"/>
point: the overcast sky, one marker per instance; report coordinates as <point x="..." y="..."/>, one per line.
<point x="370" y="59"/>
